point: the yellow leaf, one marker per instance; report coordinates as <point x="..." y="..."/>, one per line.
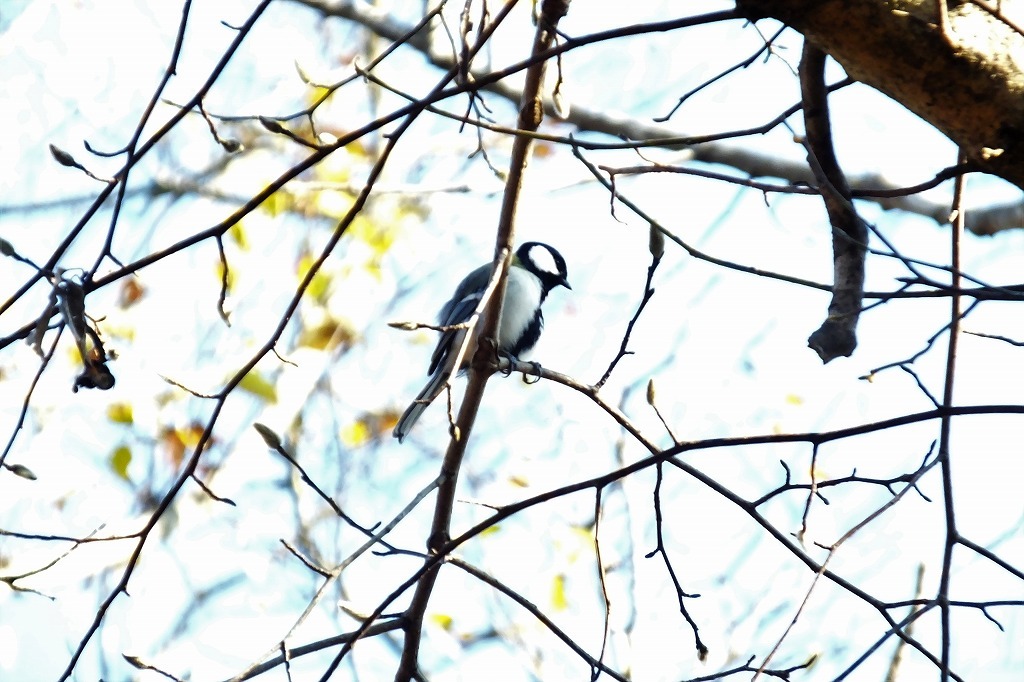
<point x="375" y="233"/>
<point x="445" y="621"/>
<point x="793" y="399"/>
<point x="357" y="148"/>
<point x="278" y="202"/>
<point x="558" y="600"/>
<point x="173" y="445"/>
<point x="238" y="236"/>
<point x="355" y="434"/>
<point x="119" y="461"/>
<point x="379" y="239"/>
<point x="327" y="335"/>
<point x="118" y="331"/>
<point x="256" y="384"/>
<point x="320" y="285"/>
<point x="585" y="534"/>
<point x="230" y="277"/>
<point x="74" y="354"/>
<point x="316" y="94"/>
<point x="120" y="413"/>
<point x="177" y="440"/>
<point x="334" y="203"/>
<point x="373" y="269"/>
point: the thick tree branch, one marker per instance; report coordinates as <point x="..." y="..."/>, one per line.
<point x="962" y="72"/>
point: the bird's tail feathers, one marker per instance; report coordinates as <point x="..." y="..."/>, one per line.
<point x="415" y="409"/>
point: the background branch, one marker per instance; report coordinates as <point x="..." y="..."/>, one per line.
<point x="742" y="157"/>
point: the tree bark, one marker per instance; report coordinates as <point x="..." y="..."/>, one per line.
<point x="957" y="64"/>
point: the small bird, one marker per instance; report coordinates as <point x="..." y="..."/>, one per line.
<point x="536" y="269"/>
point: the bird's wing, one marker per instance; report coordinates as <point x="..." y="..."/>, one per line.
<point x="456" y="311"/>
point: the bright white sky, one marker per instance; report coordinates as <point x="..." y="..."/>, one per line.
<point x="727" y="350"/>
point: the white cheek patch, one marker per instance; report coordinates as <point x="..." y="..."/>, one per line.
<point x="543" y="260"/>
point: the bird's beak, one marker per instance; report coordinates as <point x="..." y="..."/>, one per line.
<point x="565" y="283"/>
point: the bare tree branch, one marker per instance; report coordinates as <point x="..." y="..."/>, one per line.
<point x="703" y="148"/>
<point x="531" y="112"/>
<point x="975" y="59"/>
<point x="945" y="429"/>
<point x="837" y="336"/>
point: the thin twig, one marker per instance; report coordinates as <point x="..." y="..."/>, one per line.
<point x="832" y="549"/>
<point x="538" y="614"/>
<point x="945" y="427"/>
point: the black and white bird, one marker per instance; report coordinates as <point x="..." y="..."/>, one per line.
<point x="536" y="269"/>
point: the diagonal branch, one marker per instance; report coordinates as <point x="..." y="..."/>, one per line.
<point x="594" y="663"/>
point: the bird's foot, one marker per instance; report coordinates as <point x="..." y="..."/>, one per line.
<point x="508" y="366"/>
<point x="535" y="370"/>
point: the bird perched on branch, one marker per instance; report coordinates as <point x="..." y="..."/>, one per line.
<point x="536" y="269"/>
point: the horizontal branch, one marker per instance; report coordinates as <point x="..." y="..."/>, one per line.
<point x="869" y="186"/>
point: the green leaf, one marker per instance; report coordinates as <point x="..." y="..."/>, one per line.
<point x="119" y="461"/>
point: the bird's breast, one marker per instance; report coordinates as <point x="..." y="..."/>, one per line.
<point x="522" y="299"/>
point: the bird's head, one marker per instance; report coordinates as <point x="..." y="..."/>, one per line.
<point x="545" y="262"/>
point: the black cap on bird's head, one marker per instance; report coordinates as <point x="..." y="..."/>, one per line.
<point x="545" y="262"/>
